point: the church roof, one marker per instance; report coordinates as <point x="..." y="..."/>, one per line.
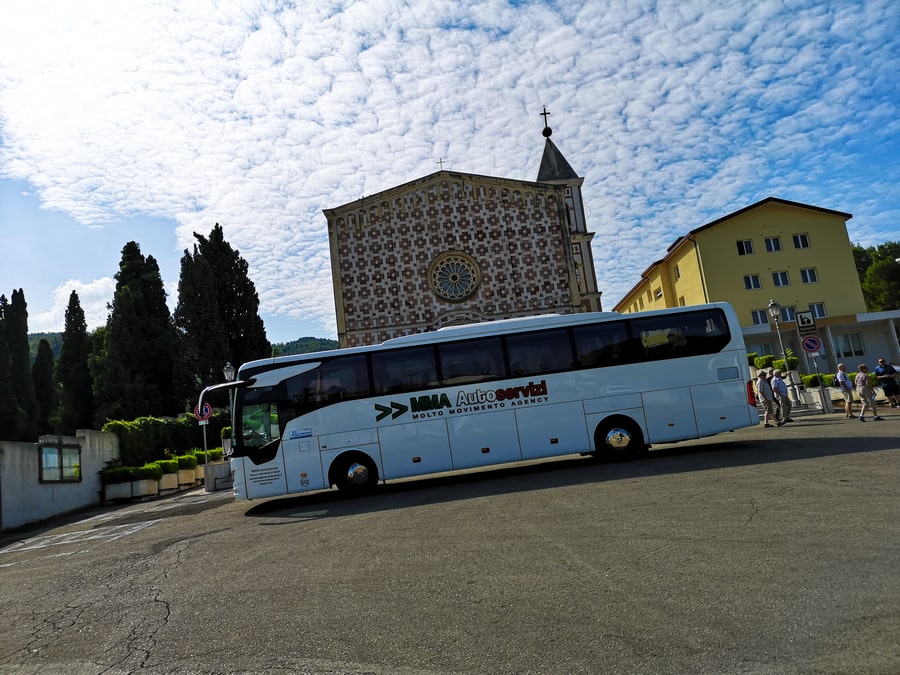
<point x="553" y="165"/>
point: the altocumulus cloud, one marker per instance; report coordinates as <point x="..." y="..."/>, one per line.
<point x="258" y="115"/>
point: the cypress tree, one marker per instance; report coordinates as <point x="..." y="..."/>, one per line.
<point x="44" y="390"/>
<point x="15" y="332"/>
<point x="198" y="320"/>
<point x="72" y="374"/>
<point x="136" y="374"/>
<point x="12" y="417"/>
<point x="233" y="296"/>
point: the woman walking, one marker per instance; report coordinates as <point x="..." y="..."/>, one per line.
<point x="866" y="393"/>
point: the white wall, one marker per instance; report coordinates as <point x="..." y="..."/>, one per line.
<point x="24" y="500"/>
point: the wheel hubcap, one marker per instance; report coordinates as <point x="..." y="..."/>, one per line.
<point x="357" y="474"/>
<point x="618" y="438"/>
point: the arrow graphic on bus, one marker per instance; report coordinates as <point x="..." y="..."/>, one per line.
<point x="384" y="411"/>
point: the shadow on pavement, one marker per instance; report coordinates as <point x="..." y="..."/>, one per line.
<point x="692" y="456"/>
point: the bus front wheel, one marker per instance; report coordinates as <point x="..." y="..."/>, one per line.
<point x="354" y="474"/>
<point x="619" y="439"/>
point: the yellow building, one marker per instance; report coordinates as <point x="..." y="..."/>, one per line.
<point x="798" y="255"/>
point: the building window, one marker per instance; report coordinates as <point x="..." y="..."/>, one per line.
<point x="745" y="247"/>
<point x="677" y="272"/>
<point x="818" y="309"/>
<point x="773" y="244"/>
<point x="751" y="282"/>
<point x="801" y="241"/>
<point x="789" y="313"/>
<point x="641" y="301"/>
<point x="780" y="278"/>
<point x="849" y="345"/>
<point x="760" y="317"/>
<point x="681" y="301"/>
<point x="60" y="463"/>
<point x="658" y="294"/>
<point x="809" y="275"/>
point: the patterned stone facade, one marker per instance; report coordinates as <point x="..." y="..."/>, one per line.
<point x="454" y="248"/>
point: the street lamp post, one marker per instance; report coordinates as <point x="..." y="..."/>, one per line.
<point x="229" y="373"/>
<point x="775" y="312"/>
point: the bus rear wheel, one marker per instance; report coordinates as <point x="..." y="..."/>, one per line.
<point x="355" y="474"/>
<point x="619" y="439"/>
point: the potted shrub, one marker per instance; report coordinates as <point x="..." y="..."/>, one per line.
<point x="145" y="482"/>
<point x="226" y="440"/>
<point x="117" y="482"/>
<point x="764" y="362"/>
<point x="202" y="456"/>
<point x="187" y="465"/>
<point x="169" y="478"/>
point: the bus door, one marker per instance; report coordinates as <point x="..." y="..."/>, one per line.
<point x="413" y="449"/>
<point x="548" y="430"/>
<point x="482" y="439"/>
<point x="302" y="461"/>
<point x="669" y="415"/>
<point x="721" y="405"/>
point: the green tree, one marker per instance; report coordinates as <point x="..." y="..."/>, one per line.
<point x="15" y="333"/>
<point x="217" y="298"/>
<point x="44" y="389"/>
<point x="200" y="324"/>
<point x="12" y="417"/>
<point x="135" y="371"/>
<point x="879" y="275"/>
<point x="72" y="374"/>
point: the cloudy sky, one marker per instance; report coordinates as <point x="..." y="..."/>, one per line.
<point x="148" y="120"/>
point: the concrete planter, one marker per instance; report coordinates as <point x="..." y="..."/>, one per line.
<point x="199" y="473"/>
<point x="144" y="488"/>
<point x="186" y="477"/>
<point x="218" y="476"/>
<point x="117" y="491"/>
<point x="169" y="481"/>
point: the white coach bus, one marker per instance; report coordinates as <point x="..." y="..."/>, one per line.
<point x="487" y="394"/>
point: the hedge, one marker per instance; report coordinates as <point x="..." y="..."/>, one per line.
<point x="152" y="471"/>
<point x="146" y="439"/>
<point x="186" y="462"/>
<point x="117" y="474"/>
<point x="168" y="465"/>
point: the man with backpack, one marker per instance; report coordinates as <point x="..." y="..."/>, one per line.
<point x="887" y="378"/>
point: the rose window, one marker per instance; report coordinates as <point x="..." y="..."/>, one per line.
<point x="454" y="276"/>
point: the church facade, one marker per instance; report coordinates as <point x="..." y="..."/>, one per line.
<point x="452" y="248"/>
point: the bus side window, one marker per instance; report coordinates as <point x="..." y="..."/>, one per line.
<point x="472" y="361"/>
<point x="404" y="369"/>
<point x="603" y="345"/>
<point x="540" y="352"/>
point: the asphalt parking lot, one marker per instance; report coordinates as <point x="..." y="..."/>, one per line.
<point x="761" y="551"/>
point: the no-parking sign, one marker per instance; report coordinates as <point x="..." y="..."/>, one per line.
<point x="811" y="344"/>
<point x="204" y="414"/>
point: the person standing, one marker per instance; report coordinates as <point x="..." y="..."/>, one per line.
<point x="767" y="398"/>
<point x="866" y="393"/>
<point x="887" y="378"/>
<point x="842" y="382"/>
<point x="781" y="394"/>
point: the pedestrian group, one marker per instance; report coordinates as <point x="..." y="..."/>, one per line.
<point x="772" y="392"/>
